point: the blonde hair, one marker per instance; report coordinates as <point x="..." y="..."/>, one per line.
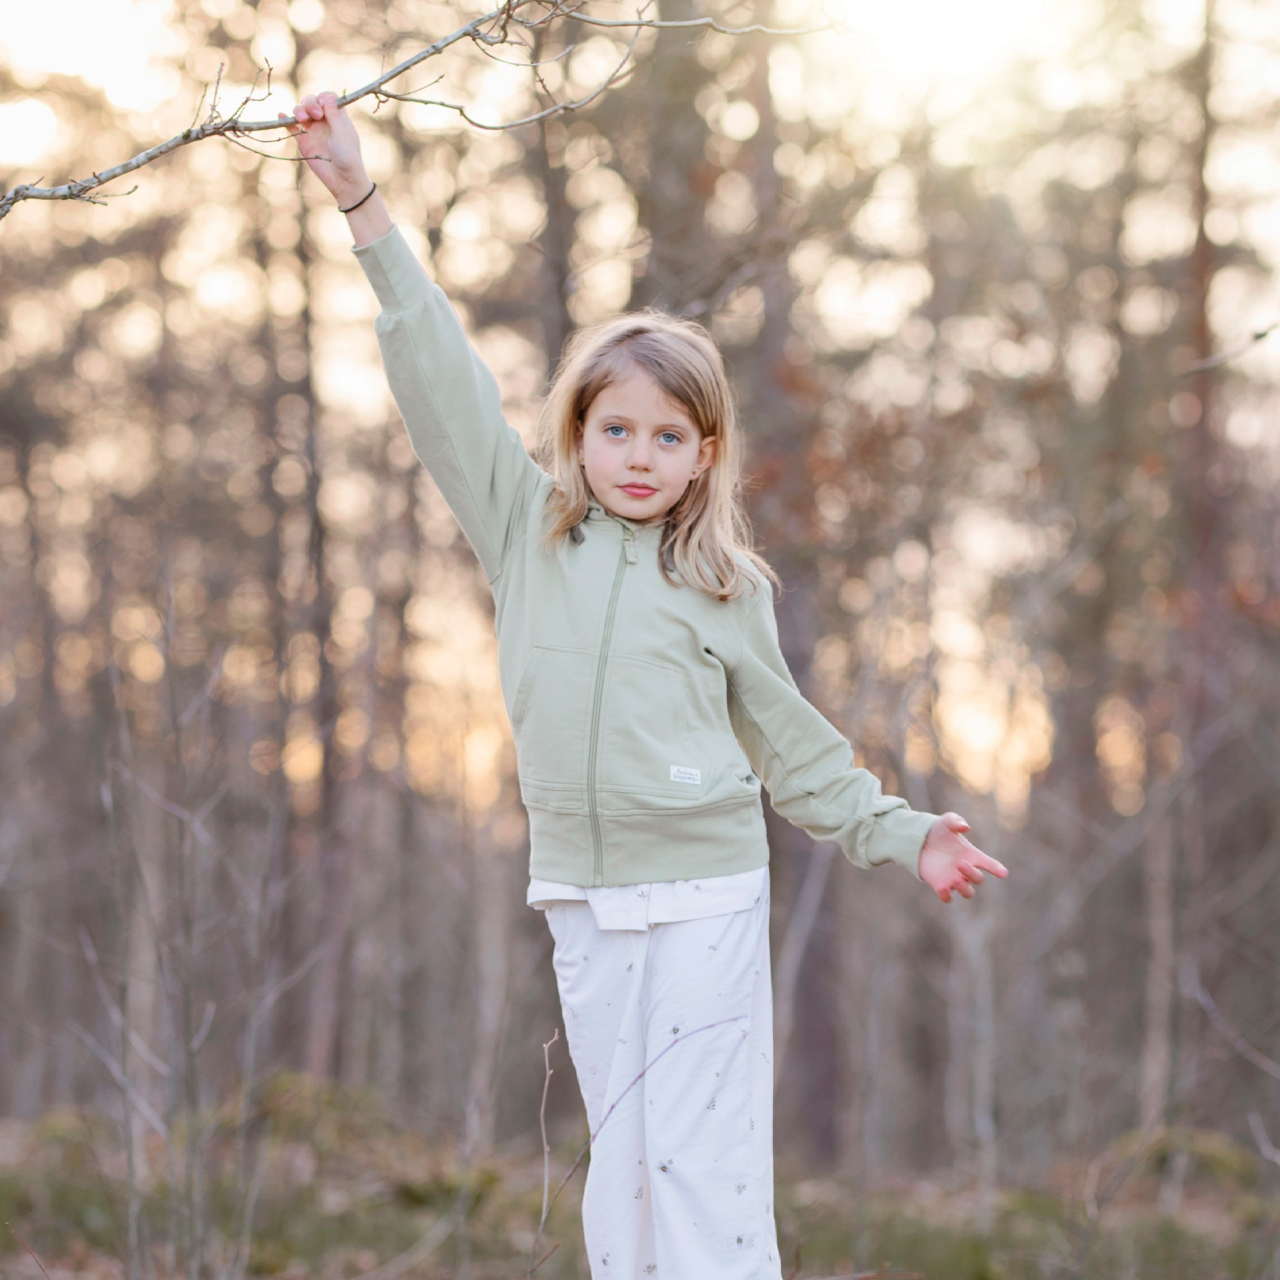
<point x="706" y="540"/>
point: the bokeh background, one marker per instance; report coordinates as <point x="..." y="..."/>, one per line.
<point x="264" y="958"/>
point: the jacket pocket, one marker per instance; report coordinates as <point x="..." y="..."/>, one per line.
<point x="646" y="749"/>
<point x="551" y="721"/>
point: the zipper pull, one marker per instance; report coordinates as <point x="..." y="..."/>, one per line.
<point x="628" y="545"/>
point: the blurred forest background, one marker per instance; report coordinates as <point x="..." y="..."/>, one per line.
<point x="259" y="825"/>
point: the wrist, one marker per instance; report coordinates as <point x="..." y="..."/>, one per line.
<point x="348" y="192"/>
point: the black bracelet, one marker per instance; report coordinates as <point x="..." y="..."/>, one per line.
<point x="358" y="203"/>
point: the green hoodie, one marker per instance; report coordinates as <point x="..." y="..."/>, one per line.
<point x="645" y="715"/>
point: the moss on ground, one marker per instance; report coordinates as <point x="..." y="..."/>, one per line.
<point x="345" y="1191"/>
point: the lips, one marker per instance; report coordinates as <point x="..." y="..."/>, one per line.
<point x="638" y="490"/>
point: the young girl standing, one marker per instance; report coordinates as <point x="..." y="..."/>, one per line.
<point x="649" y="700"/>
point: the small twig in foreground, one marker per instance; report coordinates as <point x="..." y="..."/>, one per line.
<point x="582" y="1155"/>
<point x="542" y="1121"/>
<point x="30" y="1250"/>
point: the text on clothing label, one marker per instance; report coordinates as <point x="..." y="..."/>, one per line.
<point x="679" y="773"/>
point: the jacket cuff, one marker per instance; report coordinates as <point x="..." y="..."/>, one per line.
<point x="898" y="836"/>
<point x="396" y="275"/>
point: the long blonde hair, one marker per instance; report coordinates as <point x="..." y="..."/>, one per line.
<point x="706" y="538"/>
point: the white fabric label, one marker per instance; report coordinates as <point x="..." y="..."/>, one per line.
<point x="679" y="773"/>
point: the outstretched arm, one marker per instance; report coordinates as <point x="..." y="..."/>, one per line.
<point x="448" y="398"/>
<point x="808" y="767"/>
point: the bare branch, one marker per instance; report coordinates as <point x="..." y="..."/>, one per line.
<point x="1192" y="989"/>
<point x="434" y="1236"/>
<point x="547" y="1073"/>
<point x="490" y="29"/>
<point x="109" y="1061"/>
<point x="616" y="76"/>
<point x="206" y="1025"/>
<point x="1266" y="1148"/>
<point x="1223" y="357"/>
<point x="31" y="1251"/>
<point x="582" y="1155"/>
<point x="113" y="1009"/>
<point x="193" y="820"/>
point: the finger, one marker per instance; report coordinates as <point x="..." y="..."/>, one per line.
<point x="964" y="889"/>
<point x="990" y="864"/>
<point x="971" y="873"/>
<point x="329" y="103"/>
<point x="944" y="894"/>
<point x="955" y="822"/>
<point x="290" y="126"/>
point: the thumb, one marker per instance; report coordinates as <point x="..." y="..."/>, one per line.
<point x="955" y="822"/>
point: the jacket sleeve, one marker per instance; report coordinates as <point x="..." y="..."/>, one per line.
<point x="450" y="403"/>
<point x="807" y="764"/>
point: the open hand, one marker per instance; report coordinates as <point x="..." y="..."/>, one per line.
<point x="950" y="864"/>
<point x="329" y="144"/>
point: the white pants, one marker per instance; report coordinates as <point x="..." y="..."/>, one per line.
<point x="671" y="1033"/>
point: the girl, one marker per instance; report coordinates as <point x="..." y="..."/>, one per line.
<point x="649" y="700"/>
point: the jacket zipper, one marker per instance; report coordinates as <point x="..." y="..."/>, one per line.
<point x="626" y="556"/>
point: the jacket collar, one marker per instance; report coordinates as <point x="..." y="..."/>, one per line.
<point x="596" y="514"/>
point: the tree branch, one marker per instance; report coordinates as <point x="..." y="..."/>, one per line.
<point x="489" y="30"/>
<point x="1194" y="990"/>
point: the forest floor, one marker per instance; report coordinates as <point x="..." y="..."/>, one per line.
<point x="346" y="1196"/>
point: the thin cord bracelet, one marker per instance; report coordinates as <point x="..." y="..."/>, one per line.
<point x="352" y="208"/>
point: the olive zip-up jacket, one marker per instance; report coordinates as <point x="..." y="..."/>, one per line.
<point x="646" y="715"/>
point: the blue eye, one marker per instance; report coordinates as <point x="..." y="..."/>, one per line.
<point x="613" y="429"/>
<point x="669" y="437"/>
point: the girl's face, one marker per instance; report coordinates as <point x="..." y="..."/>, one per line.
<point x="640" y="449"/>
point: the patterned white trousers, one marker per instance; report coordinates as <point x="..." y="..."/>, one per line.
<point x="671" y="1033"/>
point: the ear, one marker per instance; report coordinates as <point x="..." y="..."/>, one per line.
<point x="578" y="445"/>
<point x="706" y="455"/>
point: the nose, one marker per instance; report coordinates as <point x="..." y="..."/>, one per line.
<point x="641" y="456"/>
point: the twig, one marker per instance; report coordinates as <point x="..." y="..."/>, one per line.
<point x="616" y="76"/>
<point x="1192" y="989"/>
<point x="30" y="1250"/>
<point x="1223" y="357"/>
<point x="542" y="1121"/>
<point x="1266" y="1149"/>
<point x="489" y="29"/>
<point x="205" y="696"/>
<point x="108" y="1060"/>
<point x="205" y="1025"/>
<point x="193" y="820"/>
<point x="113" y="1009"/>
<point x="434" y="1236"/>
<point x="1120" y="843"/>
<point x="582" y="1155"/>
<point x="544" y="1257"/>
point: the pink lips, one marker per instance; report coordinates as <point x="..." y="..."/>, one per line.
<point x="638" y="490"/>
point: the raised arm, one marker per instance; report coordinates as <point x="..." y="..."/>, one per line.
<point x="808" y="768"/>
<point x="446" y="395"/>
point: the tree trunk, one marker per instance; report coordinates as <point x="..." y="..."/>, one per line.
<point x="984" y="1072"/>
<point x="959" y="1049"/>
<point x="492" y="925"/>
<point x="804" y="915"/>
<point x="1157" y="1040"/>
